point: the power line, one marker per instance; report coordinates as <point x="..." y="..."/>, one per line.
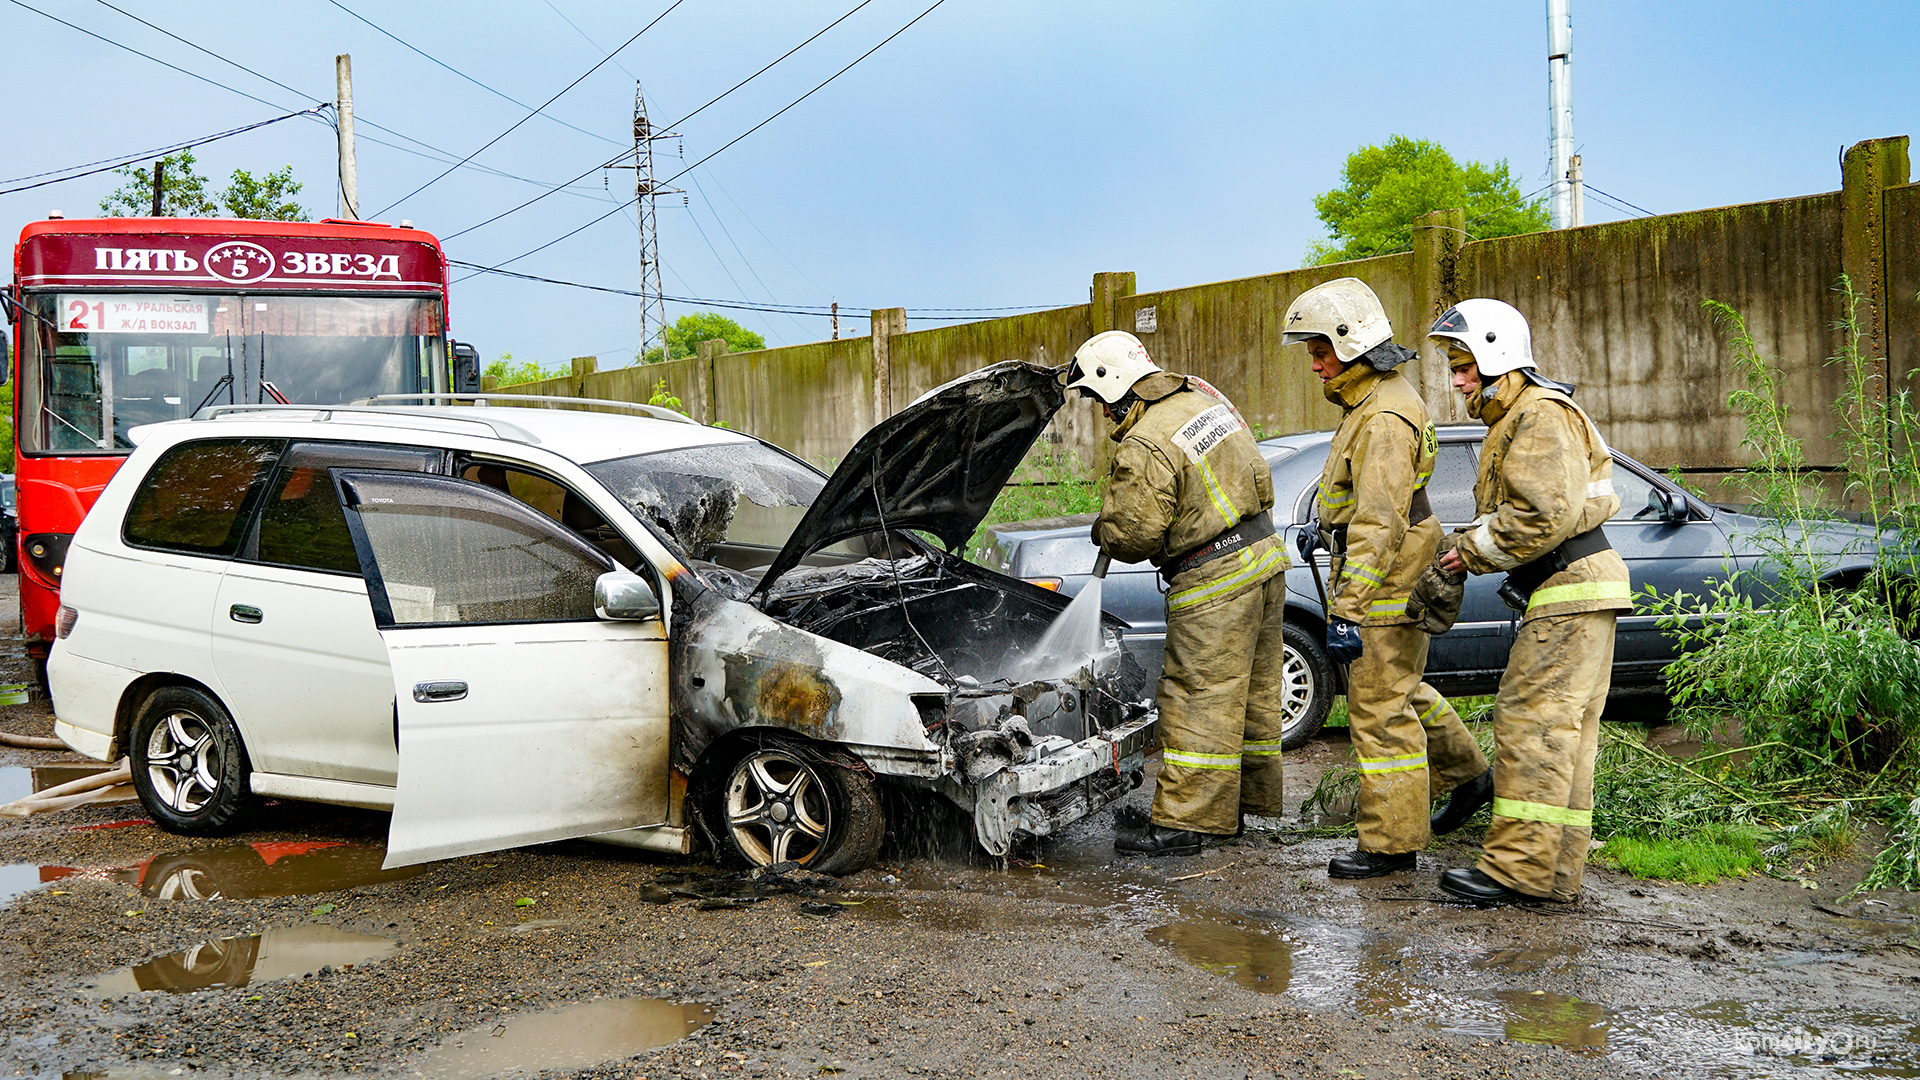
<point x="820" y="310"/>
<point x="105" y="164"/>
<point x="1620" y="201"/>
<point x="589" y="40"/>
<point x="516" y="124"/>
<point x="496" y="93"/>
<point x="148" y="56"/>
<point x="716" y="153"/>
<point x="669" y="127"/>
<point x="213" y="82"/>
<point x="805" y="96"/>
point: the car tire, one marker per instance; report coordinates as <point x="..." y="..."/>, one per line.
<point x="189" y="765"/>
<point x="781" y="802"/>
<point x="1308" y="685"/>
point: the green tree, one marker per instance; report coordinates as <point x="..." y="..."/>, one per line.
<point x="269" y="198"/>
<point x="688" y="331"/>
<point x="510" y="373"/>
<point x="184" y="193"/>
<point x="1385" y="187"/>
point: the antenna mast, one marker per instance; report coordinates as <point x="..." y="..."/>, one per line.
<point x="1565" y="204"/>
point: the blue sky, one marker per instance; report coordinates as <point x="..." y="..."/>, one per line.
<point x="996" y="153"/>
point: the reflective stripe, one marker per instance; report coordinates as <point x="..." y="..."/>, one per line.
<point x="1583" y="590"/>
<point x="1388" y="607"/>
<point x="1406" y="763"/>
<point x="1200" y="761"/>
<point x="1482" y="540"/>
<point x="1552" y="815"/>
<point x="1220" y="500"/>
<point x="1364" y="572"/>
<point x="1431" y="709"/>
<point x="1600" y="489"/>
<point x="1246" y="573"/>
<point x="1261" y="748"/>
<point x="1420" y="479"/>
<point x="1332" y="503"/>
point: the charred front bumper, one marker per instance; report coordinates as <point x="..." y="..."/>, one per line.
<point x="1064" y="782"/>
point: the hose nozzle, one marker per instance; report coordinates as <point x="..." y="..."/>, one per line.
<point x="1100" y="564"/>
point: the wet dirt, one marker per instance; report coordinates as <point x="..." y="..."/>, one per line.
<point x="1245" y="961"/>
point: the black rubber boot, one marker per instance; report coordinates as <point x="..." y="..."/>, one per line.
<point x="1160" y="840"/>
<point x="1475" y="886"/>
<point x="1366" y="864"/>
<point x="1466" y="799"/>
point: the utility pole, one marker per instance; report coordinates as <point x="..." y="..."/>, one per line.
<point x="343" y="105"/>
<point x="159" y="182"/>
<point x="1578" y="188"/>
<point x="653" y="305"/>
<point x="1560" y="109"/>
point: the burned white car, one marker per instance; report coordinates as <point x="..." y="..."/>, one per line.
<point x="513" y="625"/>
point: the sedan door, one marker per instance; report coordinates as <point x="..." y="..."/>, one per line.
<point x="524" y="718"/>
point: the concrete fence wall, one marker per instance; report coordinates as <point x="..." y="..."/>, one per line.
<point x="1617" y="308"/>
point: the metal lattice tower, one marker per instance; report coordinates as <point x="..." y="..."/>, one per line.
<point x="653" y="308"/>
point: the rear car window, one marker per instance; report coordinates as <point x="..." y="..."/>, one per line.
<point x="197" y="498"/>
<point x="301" y="524"/>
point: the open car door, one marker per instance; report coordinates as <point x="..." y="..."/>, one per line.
<point x="522" y="716"/>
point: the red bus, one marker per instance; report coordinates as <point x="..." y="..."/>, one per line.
<point x="126" y="321"/>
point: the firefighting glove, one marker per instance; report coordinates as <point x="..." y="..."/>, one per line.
<point x="1343" y="640"/>
<point x="1435" y="602"/>
<point x="1308" y="538"/>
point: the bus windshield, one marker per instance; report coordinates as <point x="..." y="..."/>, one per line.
<point x="94" y="364"/>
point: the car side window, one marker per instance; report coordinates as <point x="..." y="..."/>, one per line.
<point x="1451" y="489"/>
<point x="449" y="551"/>
<point x="558" y="502"/>
<point x="301" y="524"/>
<point x="1633" y="490"/>
<point x="198" y="497"/>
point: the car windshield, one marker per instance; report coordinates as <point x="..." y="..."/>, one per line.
<point x="709" y="497"/>
<point x="97" y="364"/>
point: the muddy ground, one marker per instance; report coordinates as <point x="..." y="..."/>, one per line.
<point x="1244" y="961"/>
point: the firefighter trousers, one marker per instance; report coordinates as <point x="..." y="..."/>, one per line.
<point x="1546" y="728"/>
<point x="1222" y="710"/>
<point x="1410" y="742"/>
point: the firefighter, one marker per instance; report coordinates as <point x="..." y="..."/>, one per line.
<point x="1190" y="492"/>
<point x="1545" y="486"/>
<point x="1375" y="520"/>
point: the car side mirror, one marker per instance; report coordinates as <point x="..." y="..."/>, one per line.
<point x="1668" y="506"/>
<point x="623" y="596"/>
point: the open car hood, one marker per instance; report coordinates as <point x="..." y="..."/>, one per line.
<point x="935" y="466"/>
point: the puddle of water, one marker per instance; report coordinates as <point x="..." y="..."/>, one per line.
<point x="1254" y="959"/>
<point x="17" y="879"/>
<point x="250" y="871"/>
<point x="1754" y="1041"/>
<point x="19" y="781"/>
<point x="238" y="961"/>
<point x="569" y="1038"/>
<point x="1537" y="1017"/>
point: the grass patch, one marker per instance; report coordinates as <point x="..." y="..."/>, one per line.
<point x="1051" y="485"/>
<point x="1716" y="852"/>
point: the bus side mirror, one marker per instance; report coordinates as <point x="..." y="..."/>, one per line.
<point x="6" y="354"/>
<point x="466" y="368"/>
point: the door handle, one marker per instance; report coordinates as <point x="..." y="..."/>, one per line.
<point x="244" y="613"/>
<point x="428" y="692"/>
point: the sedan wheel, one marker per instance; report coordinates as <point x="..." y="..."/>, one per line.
<point x="189" y="766"/>
<point x="1307" y="685"/>
<point x="782" y="804"/>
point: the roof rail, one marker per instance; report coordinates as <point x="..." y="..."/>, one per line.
<point x="498" y="428"/>
<point x="655" y="411"/>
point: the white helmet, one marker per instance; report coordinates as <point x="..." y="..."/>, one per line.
<point x="1345" y="312"/>
<point x="1494" y="331"/>
<point x="1108" y="365"/>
